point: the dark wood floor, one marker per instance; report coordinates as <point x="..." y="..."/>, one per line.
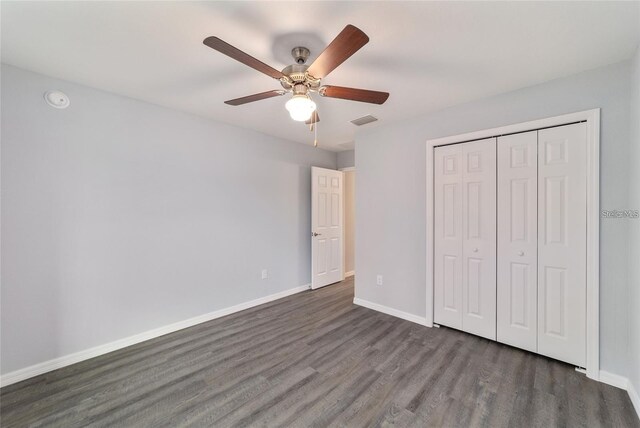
<point x="315" y="359"/>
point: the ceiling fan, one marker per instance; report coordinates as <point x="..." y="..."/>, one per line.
<point x="301" y="80"/>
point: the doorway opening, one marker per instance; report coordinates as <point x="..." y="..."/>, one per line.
<point x="349" y="221"/>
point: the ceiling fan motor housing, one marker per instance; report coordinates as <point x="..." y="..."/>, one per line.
<point x="297" y="74"/>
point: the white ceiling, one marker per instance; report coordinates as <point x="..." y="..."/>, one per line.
<point x="428" y="55"/>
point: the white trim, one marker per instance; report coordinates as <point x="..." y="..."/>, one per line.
<point x="593" y="243"/>
<point x="56" y="363"/>
<point x="622" y="383"/>
<point x="344" y="216"/>
<point x="517" y="127"/>
<point x="635" y="398"/>
<point x="592" y="117"/>
<point x="613" y="380"/>
<point x="344" y="221"/>
<point x="389" y="311"/>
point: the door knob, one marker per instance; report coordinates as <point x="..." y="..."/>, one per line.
<point x="521" y="253"/>
<point x="315" y="234"/>
<point x="475" y="250"/>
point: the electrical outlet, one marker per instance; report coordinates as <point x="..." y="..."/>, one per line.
<point x="265" y="274"/>
<point x="379" y="280"/>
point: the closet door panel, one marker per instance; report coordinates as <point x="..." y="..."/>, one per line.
<point x="448" y="236"/>
<point x="562" y="243"/>
<point x="479" y="238"/>
<point x="517" y="240"/>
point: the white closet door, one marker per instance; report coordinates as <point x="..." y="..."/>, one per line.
<point x="479" y="238"/>
<point x="517" y="240"/>
<point x="562" y="243"/>
<point x="448" y="235"/>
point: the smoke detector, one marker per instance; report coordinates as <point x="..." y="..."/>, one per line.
<point x="57" y="99"/>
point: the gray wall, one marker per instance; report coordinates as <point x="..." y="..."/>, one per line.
<point x="347" y="159"/>
<point x="634" y="228"/>
<point x="390" y="202"/>
<point x="119" y="217"/>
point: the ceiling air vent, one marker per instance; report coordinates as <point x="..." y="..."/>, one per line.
<point x="364" y="120"/>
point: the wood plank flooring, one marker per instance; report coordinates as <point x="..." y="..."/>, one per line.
<point x="315" y="360"/>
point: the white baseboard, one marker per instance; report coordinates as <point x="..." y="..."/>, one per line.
<point x="622" y="383"/>
<point x="390" y="311"/>
<point x="635" y="398"/>
<point x="350" y="273"/>
<point x="614" y="380"/>
<point x="56" y="363"/>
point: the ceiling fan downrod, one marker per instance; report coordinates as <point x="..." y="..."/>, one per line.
<point x="300" y="54"/>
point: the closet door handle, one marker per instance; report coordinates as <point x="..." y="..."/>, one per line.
<point x="521" y="253"/>
<point x="475" y="250"/>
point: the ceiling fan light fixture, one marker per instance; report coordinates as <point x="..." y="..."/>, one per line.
<point x="300" y="107"/>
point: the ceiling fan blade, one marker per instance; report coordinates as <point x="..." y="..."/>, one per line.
<point x="353" y="94"/>
<point x="314" y="118"/>
<point x="255" y="97"/>
<point x="235" y="53"/>
<point x="342" y="47"/>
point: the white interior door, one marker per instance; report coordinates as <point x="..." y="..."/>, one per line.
<point x="517" y="298"/>
<point x="479" y="238"/>
<point x="562" y="190"/>
<point x="447" y="218"/>
<point x="326" y="227"/>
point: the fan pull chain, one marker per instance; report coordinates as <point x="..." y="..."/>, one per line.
<point x="315" y="130"/>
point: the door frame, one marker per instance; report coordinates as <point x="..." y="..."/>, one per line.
<point x="592" y="118"/>
<point x="344" y="212"/>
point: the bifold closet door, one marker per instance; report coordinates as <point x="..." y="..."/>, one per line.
<point x="447" y="225"/>
<point x="479" y="238"/>
<point x="517" y="240"/>
<point x="562" y="199"/>
<point x="465" y="237"/>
